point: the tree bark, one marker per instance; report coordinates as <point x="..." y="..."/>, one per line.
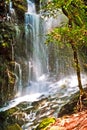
<point x="77" y="68"/>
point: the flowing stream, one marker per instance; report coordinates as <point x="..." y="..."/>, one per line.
<point x="44" y="92"/>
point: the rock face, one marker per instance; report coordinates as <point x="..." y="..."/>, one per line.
<point x="2" y="10"/>
<point x="20" y="7"/>
<point x="7" y="78"/>
<point x="7" y="44"/>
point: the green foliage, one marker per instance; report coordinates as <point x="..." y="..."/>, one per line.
<point x="75" y="10"/>
<point x="64" y="35"/>
<point x="7" y="1"/>
<point x="20" y="6"/>
<point x="4" y="44"/>
<point x="7" y="32"/>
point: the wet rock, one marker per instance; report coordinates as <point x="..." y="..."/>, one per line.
<point x="7" y="33"/>
<point x="5" y="115"/>
<point x="19" y="117"/>
<point x="68" y="108"/>
<point x="71" y="106"/>
<point x="13" y="127"/>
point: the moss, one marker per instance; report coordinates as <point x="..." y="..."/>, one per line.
<point x="7" y="36"/>
<point x="44" y="123"/>
<point x="20" y="9"/>
<point x="5" y="114"/>
<point x="11" y="111"/>
<point x="13" y="127"/>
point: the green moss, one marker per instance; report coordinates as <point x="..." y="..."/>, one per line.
<point x="44" y="123"/>
<point x="21" y="7"/>
<point x="11" y="111"/>
<point x="7" y="36"/>
<point x="5" y="114"/>
<point x="14" y="127"/>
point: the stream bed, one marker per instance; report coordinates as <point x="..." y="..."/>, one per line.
<point x="43" y="99"/>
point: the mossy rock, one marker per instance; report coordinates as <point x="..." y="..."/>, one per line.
<point x="71" y="106"/>
<point x="20" y="7"/>
<point x="45" y="122"/>
<point x="13" y="127"/>
<point x="5" y="114"/>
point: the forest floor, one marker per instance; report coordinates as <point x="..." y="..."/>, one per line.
<point x="77" y="121"/>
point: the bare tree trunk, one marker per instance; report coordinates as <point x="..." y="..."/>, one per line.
<point x="77" y="68"/>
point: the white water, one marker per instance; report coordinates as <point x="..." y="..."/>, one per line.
<point x="16" y="101"/>
<point x="11" y="10"/>
<point x="35" y="30"/>
<point x="18" y="83"/>
<point x="63" y="88"/>
<point x="31" y="7"/>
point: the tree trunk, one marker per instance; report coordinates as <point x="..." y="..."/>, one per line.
<point x="77" y="68"/>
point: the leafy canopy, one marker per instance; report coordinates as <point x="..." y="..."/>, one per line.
<point x="76" y="30"/>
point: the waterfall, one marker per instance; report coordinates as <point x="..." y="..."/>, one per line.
<point x="11" y="10"/>
<point x="12" y="15"/>
<point x="34" y="59"/>
<point x="32" y="55"/>
<point x="10" y="5"/>
<point x="18" y="82"/>
<point x="35" y="36"/>
<point x="31" y="7"/>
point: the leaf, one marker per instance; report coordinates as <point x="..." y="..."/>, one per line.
<point x="4" y="44"/>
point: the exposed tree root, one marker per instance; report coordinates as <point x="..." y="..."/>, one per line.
<point x="82" y="97"/>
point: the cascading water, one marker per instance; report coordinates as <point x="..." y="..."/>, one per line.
<point x="37" y="59"/>
<point x="10" y="6"/>
<point x="31" y="7"/>
<point x="18" y="77"/>
<point x="12" y="13"/>
<point x="33" y="83"/>
<point x="35" y="33"/>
